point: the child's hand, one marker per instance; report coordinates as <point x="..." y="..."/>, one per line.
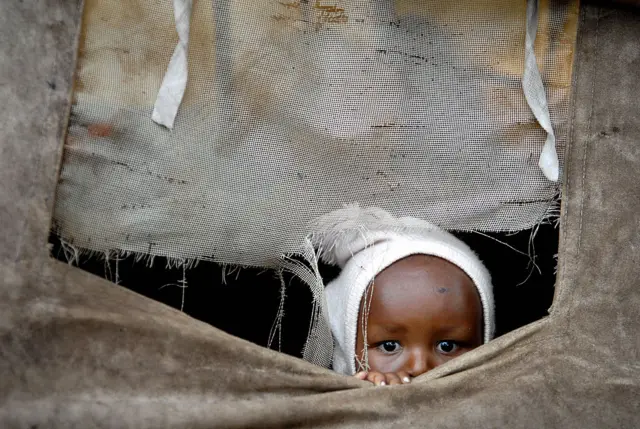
<point x="384" y="379"/>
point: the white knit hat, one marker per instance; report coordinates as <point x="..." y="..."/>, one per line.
<point x="363" y="242"/>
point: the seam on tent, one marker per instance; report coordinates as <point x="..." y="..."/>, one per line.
<point x="587" y="142"/>
<point x="580" y="166"/>
<point x="64" y="124"/>
<point x="568" y="172"/>
<point x="585" y="155"/>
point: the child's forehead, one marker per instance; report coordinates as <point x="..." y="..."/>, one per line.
<point x="421" y="307"/>
<point x="428" y="266"/>
<point x="422" y="281"/>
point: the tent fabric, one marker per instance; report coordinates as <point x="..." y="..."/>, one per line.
<point x="77" y="351"/>
<point x="294" y="108"/>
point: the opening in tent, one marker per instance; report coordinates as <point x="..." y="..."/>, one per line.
<point x="279" y="114"/>
<point x="245" y="301"/>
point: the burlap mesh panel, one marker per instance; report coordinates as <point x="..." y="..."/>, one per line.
<point x="293" y="109"/>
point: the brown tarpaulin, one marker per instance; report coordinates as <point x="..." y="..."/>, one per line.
<point x="77" y="351"/>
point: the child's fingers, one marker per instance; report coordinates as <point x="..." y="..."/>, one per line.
<point x="404" y="376"/>
<point x="377" y="378"/>
<point x="392" y="378"/>
<point x="387" y="379"/>
<point x="362" y="375"/>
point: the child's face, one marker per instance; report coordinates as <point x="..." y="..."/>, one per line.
<point x="423" y="311"/>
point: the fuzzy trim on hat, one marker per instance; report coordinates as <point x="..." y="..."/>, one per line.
<point x="363" y="242"/>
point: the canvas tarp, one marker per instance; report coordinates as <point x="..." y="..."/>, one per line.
<point x="77" y="351"/>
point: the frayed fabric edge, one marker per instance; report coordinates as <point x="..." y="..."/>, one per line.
<point x="318" y="348"/>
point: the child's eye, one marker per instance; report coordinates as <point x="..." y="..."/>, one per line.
<point x="389" y="347"/>
<point x="447" y="346"/>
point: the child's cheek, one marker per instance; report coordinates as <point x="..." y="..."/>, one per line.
<point x="382" y="362"/>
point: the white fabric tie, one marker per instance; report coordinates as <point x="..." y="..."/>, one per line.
<point x="536" y="97"/>
<point x="175" y="80"/>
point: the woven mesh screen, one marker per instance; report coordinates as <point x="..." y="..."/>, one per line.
<point x="294" y="108"/>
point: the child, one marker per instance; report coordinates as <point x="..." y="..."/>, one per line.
<point x="409" y="297"/>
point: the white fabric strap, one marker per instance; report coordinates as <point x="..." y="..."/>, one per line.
<point x="536" y="97"/>
<point x="175" y="80"/>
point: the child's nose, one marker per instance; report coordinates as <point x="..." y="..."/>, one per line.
<point x="419" y="363"/>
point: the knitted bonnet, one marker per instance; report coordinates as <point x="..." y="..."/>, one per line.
<point x="363" y="242"/>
